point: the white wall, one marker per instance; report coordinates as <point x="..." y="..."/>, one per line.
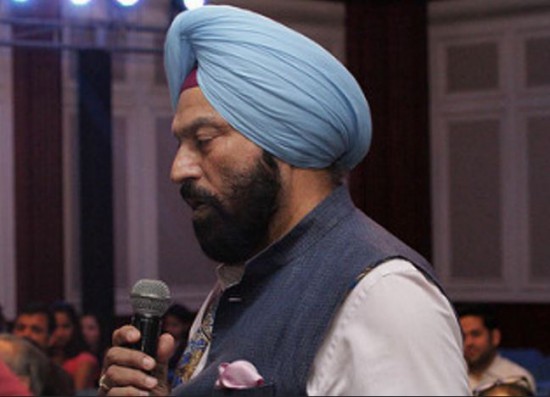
<point x="490" y="126"/>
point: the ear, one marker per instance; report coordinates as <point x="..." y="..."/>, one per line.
<point x="496" y="337"/>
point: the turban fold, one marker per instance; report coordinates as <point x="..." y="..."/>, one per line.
<point x="278" y="88"/>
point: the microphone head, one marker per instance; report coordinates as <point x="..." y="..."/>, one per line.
<point x="150" y="297"/>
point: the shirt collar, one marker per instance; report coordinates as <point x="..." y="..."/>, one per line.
<point x="229" y="275"/>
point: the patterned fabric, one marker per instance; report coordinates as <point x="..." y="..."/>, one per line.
<point x="197" y="345"/>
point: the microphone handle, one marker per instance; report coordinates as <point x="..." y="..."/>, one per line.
<point x="149" y="327"/>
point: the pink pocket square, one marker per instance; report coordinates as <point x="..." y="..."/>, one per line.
<point x="239" y="374"/>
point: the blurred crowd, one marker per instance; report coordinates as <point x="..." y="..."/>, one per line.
<point x="53" y="350"/>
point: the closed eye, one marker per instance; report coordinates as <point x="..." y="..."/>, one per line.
<point x="202" y="142"/>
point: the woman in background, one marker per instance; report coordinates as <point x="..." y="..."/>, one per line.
<point x="68" y="349"/>
<point x="177" y="322"/>
<point x="94" y="334"/>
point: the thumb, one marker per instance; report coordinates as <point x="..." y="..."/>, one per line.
<point x="166" y="348"/>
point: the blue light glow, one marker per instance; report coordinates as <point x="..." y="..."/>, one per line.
<point x="127" y="3"/>
<point x="80" y="2"/>
<point x="192" y="4"/>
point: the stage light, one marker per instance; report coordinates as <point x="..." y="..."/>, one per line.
<point x="80" y="2"/>
<point x="192" y="4"/>
<point x="20" y="1"/>
<point x="127" y="3"/>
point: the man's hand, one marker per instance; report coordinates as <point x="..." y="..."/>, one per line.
<point x="128" y="372"/>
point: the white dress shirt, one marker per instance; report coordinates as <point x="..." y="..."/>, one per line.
<point x="395" y="334"/>
<point x="501" y="369"/>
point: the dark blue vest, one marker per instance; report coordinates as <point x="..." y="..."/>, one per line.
<point x="277" y="317"/>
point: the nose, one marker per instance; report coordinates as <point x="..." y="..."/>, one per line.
<point x="186" y="165"/>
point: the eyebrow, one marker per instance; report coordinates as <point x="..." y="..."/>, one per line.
<point x="198" y="123"/>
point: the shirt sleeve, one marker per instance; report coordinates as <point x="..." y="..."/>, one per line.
<point x="396" y="334"/>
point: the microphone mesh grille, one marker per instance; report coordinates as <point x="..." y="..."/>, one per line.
<point x="150" y="297"/>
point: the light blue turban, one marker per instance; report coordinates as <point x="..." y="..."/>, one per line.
<point x="278" y="88"/>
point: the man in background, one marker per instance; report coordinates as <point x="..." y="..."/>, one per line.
<point x="36" y="323"/>
<point x="482" y="338"/>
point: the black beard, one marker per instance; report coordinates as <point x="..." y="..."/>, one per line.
<point x="483" y="361"/>
<point x="235" y="230"/>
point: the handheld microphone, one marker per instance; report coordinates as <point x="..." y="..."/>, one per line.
<point x="150" y="300"/>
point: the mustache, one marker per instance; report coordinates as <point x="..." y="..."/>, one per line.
<point x="194" y="194"/>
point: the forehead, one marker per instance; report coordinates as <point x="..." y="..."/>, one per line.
<point x="192" y="103"/>
<point x="62" y="317"/>
<point x="471" y="322"/>
<point x="35" y="318"/>
<point x="89" y="320"/>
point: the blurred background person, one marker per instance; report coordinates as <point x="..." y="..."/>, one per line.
<point x="10" y="385"/>
<point x="36" y="323"/>
<point x="177" y="322"/>
<point x="26" y="361"/>
<point x="95" y="335"/>
<point x="482" y="338"/>
<point x="68" y="349"/>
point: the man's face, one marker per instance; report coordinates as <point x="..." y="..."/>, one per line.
<point x="231" y="185"/>
<point x="480" y="344"/>
<point x="33" y="327"/>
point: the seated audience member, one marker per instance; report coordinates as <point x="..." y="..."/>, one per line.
<point x="10" y="385"/>
<point x="177" y="321"/>
<point x="482" y="338"/>
<point x="36" y="323"/>
<point x="95" y="335"/>
<point x="68" y="349"/>
<point x="26" y="361"/>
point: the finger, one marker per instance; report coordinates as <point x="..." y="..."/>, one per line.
<point x="126" y="335"/>
<point x="128" y="377"/>
<point x="122" y="356"/>
<point x="166" y="348"/>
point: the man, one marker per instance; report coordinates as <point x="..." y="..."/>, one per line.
<point x="481" y="341"/>
<point x="268" y="123"/>
<point x="36" y="323"/>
